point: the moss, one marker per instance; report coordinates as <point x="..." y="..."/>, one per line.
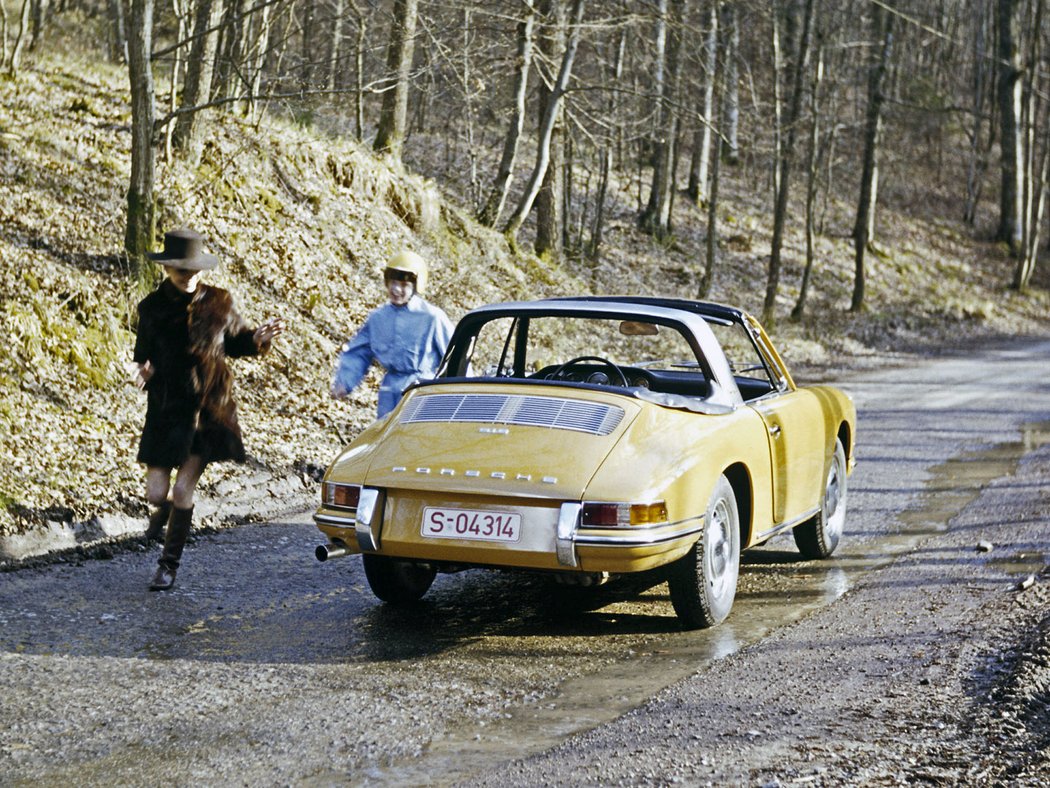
<point x="269" y="201"/>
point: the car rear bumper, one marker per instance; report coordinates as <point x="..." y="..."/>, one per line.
<point x="552" y="538"/>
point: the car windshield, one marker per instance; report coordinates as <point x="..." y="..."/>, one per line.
<point x="525" y="346"/>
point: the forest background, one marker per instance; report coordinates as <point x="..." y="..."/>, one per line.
<point x="870" y="177"/>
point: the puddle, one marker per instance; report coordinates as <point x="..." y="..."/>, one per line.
<point x="761" y="607"/>
<point x="1026" y="563"/>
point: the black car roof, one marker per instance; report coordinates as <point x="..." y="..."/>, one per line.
<point x="702" y="308"/>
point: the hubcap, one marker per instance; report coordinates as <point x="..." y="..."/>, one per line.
<point x="832" y="498"/>
<point x="718" y="546"/>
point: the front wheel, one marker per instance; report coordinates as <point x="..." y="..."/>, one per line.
<point x="397" y="582"/>
<point x="703" y="581"/>
<point x="819" y="536"/>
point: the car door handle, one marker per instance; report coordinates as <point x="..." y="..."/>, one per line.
<point x="774" y="430"/>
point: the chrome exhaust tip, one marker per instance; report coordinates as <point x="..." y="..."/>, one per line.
<point x="327" y="551"/>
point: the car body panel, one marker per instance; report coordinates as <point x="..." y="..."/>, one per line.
<point x="495" y="458"/>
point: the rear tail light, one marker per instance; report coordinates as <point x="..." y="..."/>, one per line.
<point x="619" y="514"/>
<point x="344" y="496"/>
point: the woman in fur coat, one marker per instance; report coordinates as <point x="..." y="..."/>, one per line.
<point x="186" y="331"/>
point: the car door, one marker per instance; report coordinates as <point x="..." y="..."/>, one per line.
<point x="794" y="424"/>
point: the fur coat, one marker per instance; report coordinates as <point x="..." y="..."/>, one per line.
<point x="190" y="409"/>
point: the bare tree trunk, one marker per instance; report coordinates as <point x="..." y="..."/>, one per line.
<point x="199" y="69"/>
<point x="657" y="138"/>
<point x="256" y="60"/>
<point x="778" y="100"/>
<point x="490" y="212"/>
<point x="546" y="130"/>
<point x="882" y="24"/>
<point x="41" y="11"/>
<point x="606" y="165"/>
<point x="656" y="218"/>
<point x="811" y="179"/>
<point x="359" y="78"/>
<point x="308" y="42"/>
<point x="1035" y="117"/>
<point x="717" y="77"/>
<point x="787" y="162"/>
<point x="23" y="27"/>
<point x="550" y="199"/>
<point x="118" y="41"/>
<point x="977" y="162"/>
<point x="698" y="170"/>
<point x="242" y="60"/>
<point x="231" y="48"/>
<point x="731" y="117"/>
<point x="568" y="169"/>
<point x="176" y="69"/>
<point x="141" y="226"/>
<point x="711" y="242"/>
<point x="3" y="34"/>
<point x="467" y="84"/>
<point x="393" y="116"/>
<point x="335" y="51"/>
<point x="1010" y="208"/>
<point x="1026" y="264"/>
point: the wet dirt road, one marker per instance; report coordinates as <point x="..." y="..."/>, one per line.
<point x="264" y="666"/>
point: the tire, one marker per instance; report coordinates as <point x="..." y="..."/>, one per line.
<point x="819" y="536"/>
<point x="703" y="581"/>
<point x="397" y="582"/>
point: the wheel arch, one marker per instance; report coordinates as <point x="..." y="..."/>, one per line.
<point x="740" y="480"/>
<point x="845" y="435"/>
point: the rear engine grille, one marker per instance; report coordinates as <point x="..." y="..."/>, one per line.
<point x="562" y="414"/>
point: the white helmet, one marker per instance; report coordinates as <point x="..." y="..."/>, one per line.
<point x="407" y="262"/>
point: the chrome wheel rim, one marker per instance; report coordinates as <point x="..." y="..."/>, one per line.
<point x="834" y="497"/>
<point x="718" y="553"/>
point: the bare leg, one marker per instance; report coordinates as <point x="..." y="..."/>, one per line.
<point x="158" y="484"/>
<point x="158" y="493"/>
<point x="186" y="479"/>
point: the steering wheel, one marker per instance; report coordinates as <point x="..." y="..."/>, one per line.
<point x="603" y="361"/>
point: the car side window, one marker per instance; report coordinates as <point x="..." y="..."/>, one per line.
<point x="750" y="368"/>
<point x="492" y="353"/>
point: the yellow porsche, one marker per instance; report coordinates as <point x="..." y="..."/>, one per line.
<point x="590" y="438"/>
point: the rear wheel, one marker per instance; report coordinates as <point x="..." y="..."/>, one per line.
<point x="397" y="581"/>
<point x="819" y="536"/>
<point x="703" y="581"/>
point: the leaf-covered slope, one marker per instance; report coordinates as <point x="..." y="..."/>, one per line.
<point x="302" y="224"/>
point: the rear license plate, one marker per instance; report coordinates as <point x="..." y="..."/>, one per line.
<point x="471" y="524"/>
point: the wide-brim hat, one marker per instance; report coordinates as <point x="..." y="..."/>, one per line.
<point x="184" y="249"/>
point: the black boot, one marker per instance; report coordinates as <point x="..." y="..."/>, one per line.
<point x="157" y="521"/>
<point x="174" y="542"/>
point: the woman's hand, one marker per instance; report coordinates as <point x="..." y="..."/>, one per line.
<point x="266" y="333"/>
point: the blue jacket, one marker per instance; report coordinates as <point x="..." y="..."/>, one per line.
<point x="409" y="341"/>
